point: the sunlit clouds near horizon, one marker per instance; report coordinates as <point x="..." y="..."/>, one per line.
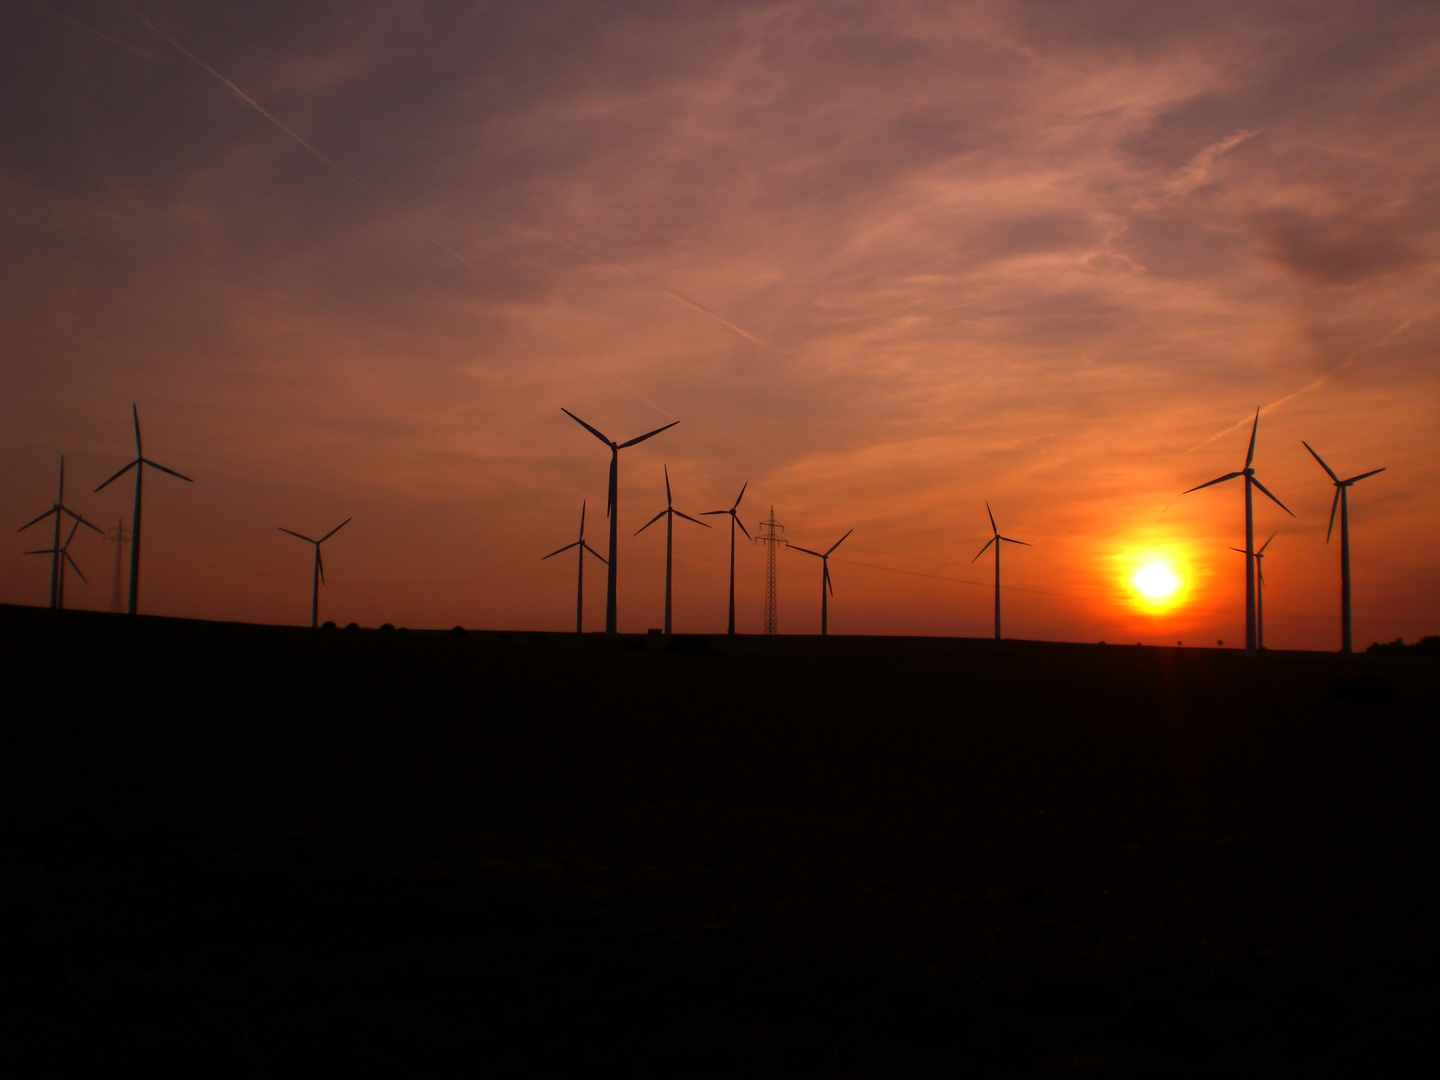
<point x="883" y="261"/>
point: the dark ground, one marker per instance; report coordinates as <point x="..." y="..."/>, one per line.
<point x="264" y="850"/>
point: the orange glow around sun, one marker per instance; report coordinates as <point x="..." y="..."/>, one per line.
<point x="1158" y="580"/>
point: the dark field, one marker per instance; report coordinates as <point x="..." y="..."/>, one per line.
<point x="263" y="850"/>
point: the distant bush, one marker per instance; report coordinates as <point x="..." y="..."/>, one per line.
<point x="457" y="631"/>
<point x="328" y="624"/>
<point x="1426" y="646"/>
<point x="387" y="627"/>
<point x="352" y="626"/>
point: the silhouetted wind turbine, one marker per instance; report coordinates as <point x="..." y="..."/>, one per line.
<point x="996" y="541"/>
<point x="611" y="509"/>
<point x="669" y="514"/>
<point x="1249" y="474"/>
<point x="1259" y="591"/>
<point x="580" y="581"/>
<point x="734" y="520"/>
<point x="64" y="555"/>
<point x="824" y="581"/>
<point x="139" y="466"/>
<point x="1342" y="488"/>
<point x="319" y="568"/>
<point x="57" y="552"/>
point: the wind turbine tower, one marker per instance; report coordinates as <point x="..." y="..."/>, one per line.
<point x="825" y="585"/>
<point x="58" y="553"/>
<point x="139" y="466"/>
<point x="1259" y="592"/>
<point x="1248" y="472"/>
<point x="1342" y="502"/>
<point x="734" y="521"/>
<point x="772" y="536"/>
<point x="612" y="509"/>
<point x="996" y="540"/>
<point x="580" y="581"/>
<point x="670" y="514"/>
<point x="319" y="576"/>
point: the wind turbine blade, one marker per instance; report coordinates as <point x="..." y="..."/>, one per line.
<point x="73" y="529"/>
<point x="1217" y="480"/>
<point x="648" y="435"/>
<point x="652" y="521"/>
<point x="1362" y="476"/>
<point x="119" y="474"/>
<point x="807" y="551"/>
<point x="77" y="570"/>
<point x="163" y="469"/>
<point x="669" y="500"/>
<point x="567" y="547"/>
<point x="1334" y="505"/>
<point x="1267" y="542"/>
<point x="707" y="513"/>
<point x="837" y="543"/>
<point x="687" y="517"/>
<point x="993" y="527"/>
<point x="41" y="551"/>
<point x="336" y="529"/>
<point x="586" y="426"/>
<point x="302" y="536"/>
<point x="1318" y="458"/>
<point x="1007" y="539"/>
<point x="80" y="520"/>
<point x="740" y="496"/>
<point x="742" y="527"/>
<point x="1242" y="551"/>
<point x="828" y="584"/>
<point x="42" y="517"/>
<point x="1276" y="501"/>
<point x="136" y="414"/>
<point x="582" y="519"/>
<point x="597" y="554"/>
<point x="1254" y="430"/>
<point x="982" y="551"/>
<point x="320" y="563"/>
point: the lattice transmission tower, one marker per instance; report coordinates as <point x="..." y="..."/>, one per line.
<point x="772" y="536"/>
<point x="119" y="536"/>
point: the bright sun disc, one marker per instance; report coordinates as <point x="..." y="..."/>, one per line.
<point x="1156" y="582"/>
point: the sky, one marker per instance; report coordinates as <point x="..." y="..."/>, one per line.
<point x="883" y="261"/>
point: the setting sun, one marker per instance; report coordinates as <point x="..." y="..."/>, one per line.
<point x="1157" y="580"/>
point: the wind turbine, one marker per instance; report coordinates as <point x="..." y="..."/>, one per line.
<point x="1250" y="481"/>
<point x="996" y="541"/>
<point x="64" y="556"/>
<point x="319" y="568"/>
<point x="612" y="509"/>
<point x="824" y="581"/>
<point x="580" y="582"/>
<point x="669" y="514"/>
<point x="139" y="466"/>
<point x="1342" y="501"/>
<point x="58" y="553"/>
<point x="1259" y="591"/>
<point x="734" y="520"/>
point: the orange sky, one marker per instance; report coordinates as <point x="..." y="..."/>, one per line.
<point x="885" y="261"/>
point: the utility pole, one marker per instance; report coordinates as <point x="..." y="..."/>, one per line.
<point x="119" y="537"/>
<point x="771" y="535"/>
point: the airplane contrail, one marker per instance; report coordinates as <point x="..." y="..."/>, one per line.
<point x="653" y="282"/>
<point x="247" y="99"/>
<point x="94" y="32"/>
<point x="1379" y="343"/>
